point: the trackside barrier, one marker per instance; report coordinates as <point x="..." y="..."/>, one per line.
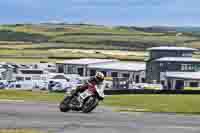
<point x="148" y="91"/>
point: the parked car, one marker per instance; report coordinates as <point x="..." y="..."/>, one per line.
<point x="3" y="84"/>
<point x="20" y="85"/>
<point x="58" y="85"/>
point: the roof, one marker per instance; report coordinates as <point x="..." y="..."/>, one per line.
<point x="177" y="59"/>
<point x="119" y="65"/>
<point x="85" y="61"/>
<point x="7" y="66"/>
<point x="31" y="71"/>
<point x="184" y="75"/>
<point x="52" y="75"/>
<point x="59" y="77"/>
<point x="2" y="70"/>
<point x="172" y="48"/>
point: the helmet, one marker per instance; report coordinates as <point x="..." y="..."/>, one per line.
<point x="99" y="77"/>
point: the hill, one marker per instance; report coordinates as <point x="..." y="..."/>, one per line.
<point x="83" y="36"/>
<point x="50" y="42"/>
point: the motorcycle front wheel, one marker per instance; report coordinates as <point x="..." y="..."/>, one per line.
<point x="90" y="104"/>
<point x="64" y="105"/>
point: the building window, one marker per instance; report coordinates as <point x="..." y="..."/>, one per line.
<point x="187" y="67"/>
<point x="187" y="54"/>
<point x="161" y="64"/>
<point x="143" y="80"/>
<point x="194" y="84"/>
<point x="197" y="67"/>
<point x="133" y="76"/>
<point x="60" y="68"/>
<point x="27" y="78"/>
<point x="19" y="78"/>
<point x="105" y="73"/>
<point x="183" y="67"/>
<point x="125" y="75"/>
<point x="31" y="71"/>
<point x="190" y="67"/>
<point x="18" y="86"/>
<point x="162" y="82"/>
<point x="150" y="68"/>
<point x="92" y="72"/>
<point x="71" y="69"/>
<point x="80" y="71"/>
<point x="114" y="74"/>
<point x="137" y="79"/>
<point x="193" y="67"/>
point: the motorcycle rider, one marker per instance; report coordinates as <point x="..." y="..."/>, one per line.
<point x="97" y="80"/>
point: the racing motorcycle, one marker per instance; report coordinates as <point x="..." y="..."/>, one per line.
<point x="85" y="101"/>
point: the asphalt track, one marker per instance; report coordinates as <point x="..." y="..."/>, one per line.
<point x="47" y="118"/>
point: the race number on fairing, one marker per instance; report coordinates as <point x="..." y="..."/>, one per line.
<point x="85" y="94"/>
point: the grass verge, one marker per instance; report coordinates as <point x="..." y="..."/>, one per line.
<point x="131" y="103"/>
<point x="18" y="131"/>
<point x="31" y="96"/>
<point x="191" y="88"/>
<point x="156" y="103"/>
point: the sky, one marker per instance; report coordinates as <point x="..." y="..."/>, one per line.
<point x="103" y="12"/>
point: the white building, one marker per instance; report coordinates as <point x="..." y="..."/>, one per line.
<point x="50" y="67"/>
<point x="134" y="71"/>
<point x="29" y="74"/>
<point x="78" y="66"/>
<point x="179" y="80"/>
<point x="2" y="72"/>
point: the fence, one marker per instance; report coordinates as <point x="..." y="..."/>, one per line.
<point x="148" y="91"/>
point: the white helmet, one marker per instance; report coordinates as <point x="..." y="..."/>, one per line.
<point x="99" y="76"/>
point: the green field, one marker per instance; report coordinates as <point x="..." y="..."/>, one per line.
<point x="132" y="103"/>
<point x="156" y="103"/>
<point x="53" y="55"/>
<point x="90" y="37"/>
<point x="27" y="41"/>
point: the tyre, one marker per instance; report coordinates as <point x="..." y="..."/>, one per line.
<point x="64" y="105"/>
<point x="90" y="104"/>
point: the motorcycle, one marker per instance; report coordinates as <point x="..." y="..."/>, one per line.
<point x="85" y="101"/>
